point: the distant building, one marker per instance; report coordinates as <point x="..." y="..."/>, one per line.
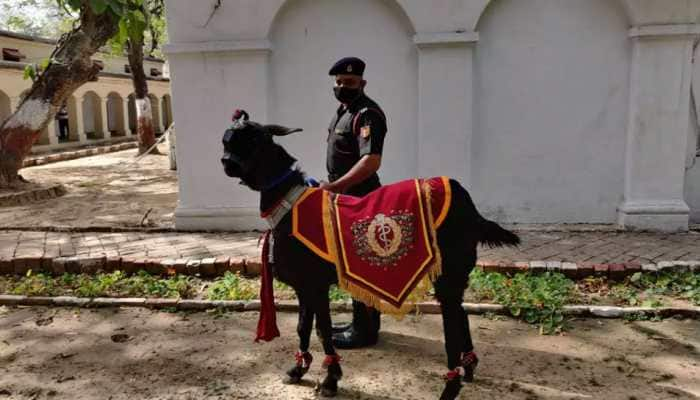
<point x="548" y="111"/>
<point x="98" y="112"/>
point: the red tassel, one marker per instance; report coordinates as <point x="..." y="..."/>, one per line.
<point x="267" y="324"/>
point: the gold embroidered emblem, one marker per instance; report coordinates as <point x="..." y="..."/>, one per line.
<point x="365" y="131"/>
<point x="385" y="239"/>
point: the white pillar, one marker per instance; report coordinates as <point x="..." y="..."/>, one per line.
<point x="78" y="123"/>
<point x="125" y="116"/>
<point x="445" y="71"/>
<point x="657" y="136"/>
<point x="104" y="121"/>
<point x="51" y="129"/>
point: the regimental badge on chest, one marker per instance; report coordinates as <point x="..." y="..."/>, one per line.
<point x="365" y="131"/>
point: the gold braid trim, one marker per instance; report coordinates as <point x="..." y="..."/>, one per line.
<point x="362" y="294"/>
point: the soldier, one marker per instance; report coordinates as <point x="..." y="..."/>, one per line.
<point x="355" y="142"/>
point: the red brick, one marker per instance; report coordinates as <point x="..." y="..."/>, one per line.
<point x="180" y="266"/>
<point x="236" y="265"/>
<point x="58" y="266"/>
<point x="585" y="270"/>
<point x="154" y="267"/>
<point x="631" y="268"/>
<point x="140" y="264"/>
<point x="253" y="267"/>
<point x="6" y="267"/>
<point x="47" y="264"/>
<point x="617" y="271"/>
<point x="193" y="267"/>
<point x="128" y="265"/>
<point x="207" y="267"/>
<point x="600" y="270"/>
<point x="20" y="266"/>
<point x="521" y="266"/>
<point x="221" y="264"/>
<point x="113" y="264"/>
<point x="91" y="265"/>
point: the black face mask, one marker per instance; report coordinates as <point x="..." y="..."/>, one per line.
<point x="346" y="95"/>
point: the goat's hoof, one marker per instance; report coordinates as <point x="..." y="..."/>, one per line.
<point x="469" y="365"/>
<point x="329" y="387"/>
<point x="294" y="375"/>
<point x="451" y="391"/>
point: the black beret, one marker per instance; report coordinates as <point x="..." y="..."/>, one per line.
<point x="349" y="66"/>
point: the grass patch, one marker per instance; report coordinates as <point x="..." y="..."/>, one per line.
<point x="536" y="299"/>
<point x="232" y="287"/>
<point x="115" y="284"/>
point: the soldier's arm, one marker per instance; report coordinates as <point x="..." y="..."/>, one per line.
<point x="364" y="168"/>
<point x="370" y="130"/>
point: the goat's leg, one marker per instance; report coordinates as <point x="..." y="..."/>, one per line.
<point x="304" y="326"/>
<point x="329" y="386"/>
<point x="461" y="360"/>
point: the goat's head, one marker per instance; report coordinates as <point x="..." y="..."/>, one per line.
<point x="250" y="152"/>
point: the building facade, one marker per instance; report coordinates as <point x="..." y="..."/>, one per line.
<point x="98" y="112"/>
<point x="548" y="111"/>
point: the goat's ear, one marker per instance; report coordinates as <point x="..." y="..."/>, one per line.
<point x="277" y="130"/>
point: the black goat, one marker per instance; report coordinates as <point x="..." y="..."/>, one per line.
<point x="251" y="154"/>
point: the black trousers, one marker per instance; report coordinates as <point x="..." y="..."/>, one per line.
<point x="364" y="319"/>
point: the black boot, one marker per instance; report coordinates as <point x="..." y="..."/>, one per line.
<point x="364" y="330"/>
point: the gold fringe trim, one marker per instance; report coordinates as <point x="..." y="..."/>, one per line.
<point x="364" y="295"/>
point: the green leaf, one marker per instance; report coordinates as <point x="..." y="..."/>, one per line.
<point x="98" y="6"/>
<point x="636" y="277"/>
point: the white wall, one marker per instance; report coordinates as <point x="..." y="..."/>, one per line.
<point x="548" y="110"/>
<point x="551" y="109"/>
<point x="305" y="46"/>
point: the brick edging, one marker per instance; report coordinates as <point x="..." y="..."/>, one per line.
<point x="615" y="271"/>
<point x="206" y="267"/>
<point x="217" y="266"/>
<point x="292" y="306"/>
<point x="32" y="195"/>
<point x="74" y="154"/>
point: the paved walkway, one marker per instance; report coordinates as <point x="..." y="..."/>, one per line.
<point x="576" y="247"/>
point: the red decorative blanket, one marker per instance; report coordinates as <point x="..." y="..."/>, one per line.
<point x="382" y="244"/>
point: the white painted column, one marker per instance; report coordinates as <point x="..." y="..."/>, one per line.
<point x="237" y="68"/>
<point x="657" y="129"/>
<point x="125" y="116"/>
<point x="78" y="123"/>
<point x="445" y="92"/>
<point x="52" y="130"/>
<point x="104" y="121"/>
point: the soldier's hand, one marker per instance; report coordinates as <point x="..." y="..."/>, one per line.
<point x="329" y="187"/>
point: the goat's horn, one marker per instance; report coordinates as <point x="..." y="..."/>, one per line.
<point x="277" y="130"/>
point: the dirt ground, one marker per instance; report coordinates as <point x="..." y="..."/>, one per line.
<point x="110" y="190"/>
<point x="136" y="353"/>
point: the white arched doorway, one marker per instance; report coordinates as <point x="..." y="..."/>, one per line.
<point x="551" y="100"/>
<point x="92" y="116"/>
<point x="115" y="114"/>
<point x="307" y="37"/>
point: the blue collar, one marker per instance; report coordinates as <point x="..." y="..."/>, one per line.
<point x="278" y="180"/>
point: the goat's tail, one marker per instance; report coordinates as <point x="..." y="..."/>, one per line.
<point x="493" y="235"/>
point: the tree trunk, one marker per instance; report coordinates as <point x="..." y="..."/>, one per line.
<point x="69" y="69"/>
<point x="144" y="116"/>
